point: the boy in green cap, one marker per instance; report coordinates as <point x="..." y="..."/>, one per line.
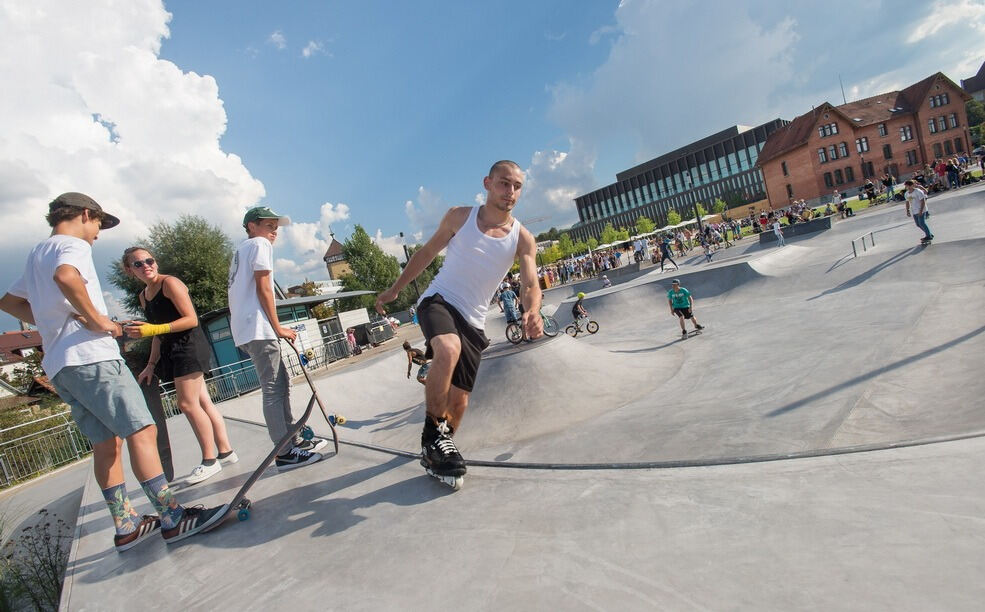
<point x="257" y="330"/>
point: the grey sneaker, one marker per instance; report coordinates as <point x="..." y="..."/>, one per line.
<point x="312" y="446"/>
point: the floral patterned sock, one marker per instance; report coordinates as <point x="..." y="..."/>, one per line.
<point x="124" y="516"/>
<point x="167" y="506"/>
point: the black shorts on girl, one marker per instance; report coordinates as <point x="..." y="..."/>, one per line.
<point x="436" y="317"/>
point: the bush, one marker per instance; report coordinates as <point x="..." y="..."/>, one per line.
<point x="34" y="564"/>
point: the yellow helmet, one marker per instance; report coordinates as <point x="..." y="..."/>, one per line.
<point x="580" y="295"/>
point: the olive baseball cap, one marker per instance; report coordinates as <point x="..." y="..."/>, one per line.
<point x="263" y="212"/>
<point x="81" y="200"/>
<point x="675" y="282"/>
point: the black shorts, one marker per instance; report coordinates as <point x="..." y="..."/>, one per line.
<point x="436" y="317"/>
<point x="185" y="354"/>
<point x="683" y="312"/>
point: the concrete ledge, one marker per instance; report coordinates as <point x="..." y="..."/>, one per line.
<point x="798" y="229"/>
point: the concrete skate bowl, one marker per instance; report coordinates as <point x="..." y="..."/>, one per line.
<point x="797" y="360"/>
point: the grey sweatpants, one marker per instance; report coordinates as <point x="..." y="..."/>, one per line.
<point x="275" y="386"/>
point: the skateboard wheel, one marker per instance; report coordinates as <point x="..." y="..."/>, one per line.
<point x="243" y="514"/>
<point x="338" y="419"/>
<point x="307" y="433"/>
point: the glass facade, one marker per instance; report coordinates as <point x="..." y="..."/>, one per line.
<point x="721" y="166"/>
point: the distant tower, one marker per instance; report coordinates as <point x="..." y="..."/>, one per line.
<point x="334" y="259"/>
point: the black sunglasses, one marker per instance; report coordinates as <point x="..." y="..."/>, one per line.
<point x="140" y="263"/>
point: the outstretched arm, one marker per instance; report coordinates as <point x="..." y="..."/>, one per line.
<point x="422" y="258"/>
<point x="17" y="307"/>
<point x="527" y="252"/>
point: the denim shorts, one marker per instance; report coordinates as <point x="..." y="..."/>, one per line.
<point x="105" y="399"/>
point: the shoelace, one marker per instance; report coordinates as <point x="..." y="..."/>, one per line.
<point x="446" y="446"/>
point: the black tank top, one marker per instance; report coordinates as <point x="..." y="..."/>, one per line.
<point x="159" y="310"/>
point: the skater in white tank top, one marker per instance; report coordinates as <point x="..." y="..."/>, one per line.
<point x="482" y="242"/>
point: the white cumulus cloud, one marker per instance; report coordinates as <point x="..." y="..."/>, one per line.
<point x="313" y="48"/>
<point x="278" y="40"/>
<point x="88" y="105"/>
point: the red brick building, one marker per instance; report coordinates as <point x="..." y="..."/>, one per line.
<point x="839" y="147"/>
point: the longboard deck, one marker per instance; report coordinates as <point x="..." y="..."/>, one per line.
<point x="152" y="396"/>
<point x="240" y="504"/>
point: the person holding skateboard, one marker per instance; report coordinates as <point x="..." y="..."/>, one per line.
<point x="416" y="356"/>
<point x="180" y="351"/>
<point x="916" y="207"/>
<point x="257" y="331"/>
<point x="682" y="305"/>
<point x="60" y="293"/>
<point x="482" y="243"/>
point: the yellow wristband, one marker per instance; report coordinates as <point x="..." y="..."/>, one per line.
<point x="149" y="329"/>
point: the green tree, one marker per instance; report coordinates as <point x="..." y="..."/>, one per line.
<point x="580" y="247"/>
<point x="321" y="311"/>
<point x="593" y="243"/>
<point x="976" y="112"/>
<point x="673" y="217"/>
<point x="622" y="234"/>
<point x="719" y="206"/>
<point x="192" y="249"/>
<point x="609" y="234"/>
<point x="23" y="375"/>
<point x="428" y="274"/>
<point x="566" y="244"/>
<point x="372" y="270"/>
<point x="645" y="225"/>
<point x="551" y="254"/>
<point x="701" y="210"/>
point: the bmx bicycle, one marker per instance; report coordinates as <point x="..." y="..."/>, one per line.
<point x="515" y="333"/>
<point x="576" y="327"/>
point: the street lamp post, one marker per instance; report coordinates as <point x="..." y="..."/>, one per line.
<point x="407" y="261"/>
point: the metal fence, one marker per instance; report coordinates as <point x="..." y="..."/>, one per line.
<point x="58" y="441"/>
<point x="25" y="453"/>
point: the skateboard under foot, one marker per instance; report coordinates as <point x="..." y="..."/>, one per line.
<point x="240" y="504"/>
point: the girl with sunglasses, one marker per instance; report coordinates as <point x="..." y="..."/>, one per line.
<point x="179" y="352"/>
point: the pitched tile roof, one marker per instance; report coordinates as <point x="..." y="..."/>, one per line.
<point x="333" y="249"/>
<point x="11" y="343"/>
<point x="859" y="113"/>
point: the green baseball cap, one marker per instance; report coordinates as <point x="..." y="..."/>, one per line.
<point x="262" y="212"/>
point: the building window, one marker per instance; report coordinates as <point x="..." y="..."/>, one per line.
<point x="938" y="152"/>
<point x="832" y="152"/>
<point x="783" y="165"/>
<point x="862" y="144"/>
<point x="887" y="151"/>
<point x="849" y="174"/>
<point x="867" y="171"/>
<point x="843" y="149"/>
<point x="821" y="155"/>
<point x="947" y="147"/>
<point x="905" y="133"/>
<point x="944" y="99"/>
<point x="959" y="145"/>
<point x="911" y="158"/>
<point x="827" y="130"/>
<point x="839" y="180"/>
<point x="953" y="118"/>
<point x="789" y="191"/>
<point x="932" y="126"/>
<point x="827" y="180"/>
<point x="882" y="129"/>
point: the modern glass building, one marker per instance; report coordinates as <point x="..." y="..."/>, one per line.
<point x="722" y="165"/>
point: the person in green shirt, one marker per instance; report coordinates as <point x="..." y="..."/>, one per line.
<point x="681" y="304"/>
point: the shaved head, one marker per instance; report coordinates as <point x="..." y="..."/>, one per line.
<point x="504" y="163"/>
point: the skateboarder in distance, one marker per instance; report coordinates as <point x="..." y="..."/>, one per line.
<point x="482" y="243"/>
<point x="682" y="305"/>
<point x="916" y="207"/>
<point x="416" y="356"/>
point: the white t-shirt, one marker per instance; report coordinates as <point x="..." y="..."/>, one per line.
<point x="914" y="198"/>
<point x="776" y="227"/>
<point x="247" y="321"/>
<point x="66" y="341"/>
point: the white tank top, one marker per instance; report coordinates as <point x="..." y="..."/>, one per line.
<point x="474" y="266"/>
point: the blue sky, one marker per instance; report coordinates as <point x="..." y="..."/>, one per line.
<point x="386" y="113"/>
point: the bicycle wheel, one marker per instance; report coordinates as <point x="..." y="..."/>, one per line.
<point x="592" y="327"/>
<point x="571" y="330"/>
<point x="551" y="327"/>
<point x="514" y="333"/>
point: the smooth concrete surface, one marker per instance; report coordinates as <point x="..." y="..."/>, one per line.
<point x="59" y="492"/>
<point x="807" y="349"/>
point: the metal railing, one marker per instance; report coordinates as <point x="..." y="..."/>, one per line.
<point x="872" y="242"/>
<point x="25" y="454"/>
